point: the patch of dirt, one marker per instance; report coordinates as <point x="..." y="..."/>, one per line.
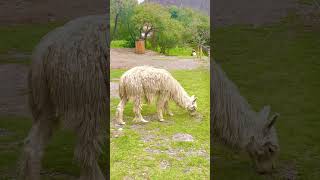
<point x="114" y="90"/>
<point x="178" y="153"/>
<point x="287" y="171"/>
<point x="5" y="132"/>
<point x="13" y="90"/>
<point x="13" y="54"/>
<point x="126" y="58"/>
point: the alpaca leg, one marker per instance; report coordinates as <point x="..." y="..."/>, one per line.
<point x="120" y="108"/>
<point x="137" y="111"/>
<point x="160" y="108"/>
<point x="87" y="150"/>
<point x="166" y="107"/>
<point x="38" y="137"/>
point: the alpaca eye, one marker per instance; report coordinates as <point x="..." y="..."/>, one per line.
<point x="271" y="150"/>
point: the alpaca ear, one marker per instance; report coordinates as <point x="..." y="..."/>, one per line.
<point x="272" y="120"/>
<point x="194" y="99"/>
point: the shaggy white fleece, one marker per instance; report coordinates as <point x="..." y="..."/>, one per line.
<point x="149" y="83"/>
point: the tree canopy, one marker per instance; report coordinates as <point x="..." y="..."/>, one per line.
<point x="161" y="26"/>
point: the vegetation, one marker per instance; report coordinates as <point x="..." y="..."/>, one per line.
<point x="24" y="37"/>
<point x="21" y="39"/>
<point x="58" y="156"/>
<point x="164" y="28"/>
<point x="129" y="155"/>
<point x="276" y="65"/>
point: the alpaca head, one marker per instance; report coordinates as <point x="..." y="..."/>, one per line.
<point x="263" y="145"/>
<point x="192" y="105"/>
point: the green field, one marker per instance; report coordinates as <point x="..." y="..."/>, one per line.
<point x="129" y="152"/>
<point x="58" y="160"/>
<point x="277" y="65"/>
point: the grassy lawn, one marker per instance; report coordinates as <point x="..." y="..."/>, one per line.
<point x="24" y="37"/>
<point x="277" y="65"/>
<point x="130" y="156"/>
<point x="21" y="39"/>
<point x="58" y="160"/>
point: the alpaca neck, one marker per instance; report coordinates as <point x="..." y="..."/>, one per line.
<point x="179" y="95"/>
<point x="249" y="128"/>
<point x="236" y="135"/>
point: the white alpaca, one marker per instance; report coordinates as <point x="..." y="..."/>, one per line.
<point x="149" y="82"/>
<point x="68" y="86"/>
<point x="238" y="126"/>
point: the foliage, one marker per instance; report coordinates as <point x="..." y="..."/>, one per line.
<point x="149" y="18"/>
<point x="121" y="12"/>
<point x="164" y="27"/>
<point x="170" y="37"/>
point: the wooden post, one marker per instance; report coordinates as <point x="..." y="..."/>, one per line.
<point x="140" y="46"/>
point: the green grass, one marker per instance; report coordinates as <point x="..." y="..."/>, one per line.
<point x="120" y="44"/>
<point x="128" y="157"/>
<point x="276" y="65"/>
<point x="21" y="38"/>
<point x="58" y="156"/>
<point x="180" y="51"/>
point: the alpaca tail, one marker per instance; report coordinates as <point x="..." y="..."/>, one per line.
<point x="122" y="90"/>
<point x="31" y="101"/>
<point x="37" y="90"/>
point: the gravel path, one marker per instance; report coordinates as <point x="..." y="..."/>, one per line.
<point x="125" y="58"/>
<point x="13" y="89"/>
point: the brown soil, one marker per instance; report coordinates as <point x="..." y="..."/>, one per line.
<point x="125" y="58"/>
<point x="13" y="90"/>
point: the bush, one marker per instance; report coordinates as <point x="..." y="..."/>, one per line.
<point x="120" y="44"/>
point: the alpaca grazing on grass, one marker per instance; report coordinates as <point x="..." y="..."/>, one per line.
<point x="146" y="82"/>
<point x="238" y="126"/>
<point x="68" y="86"/>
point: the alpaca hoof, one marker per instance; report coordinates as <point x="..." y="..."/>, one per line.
<point x="161" y="120"/>
<point x="121" y="123"/>
<point x="144" y="121"/>
<point x="140" y="120"/>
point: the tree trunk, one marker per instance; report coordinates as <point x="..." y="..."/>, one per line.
<point x="115" y="25"/>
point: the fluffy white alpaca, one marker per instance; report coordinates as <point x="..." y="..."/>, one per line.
<point x="68" y="86"/>
<point x="149" y="82"/>
<point x="240" y="127"/>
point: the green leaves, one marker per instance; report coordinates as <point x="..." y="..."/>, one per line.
<point x="163" y="27"/>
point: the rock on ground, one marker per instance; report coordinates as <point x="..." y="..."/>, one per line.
<point x="182" y="137"/>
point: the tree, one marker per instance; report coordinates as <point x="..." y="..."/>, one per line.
<point x="121" y="12"/>
<point x="170" y="37"/>
<point x="196" y="27"/>
<point x="149" y="18"/>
